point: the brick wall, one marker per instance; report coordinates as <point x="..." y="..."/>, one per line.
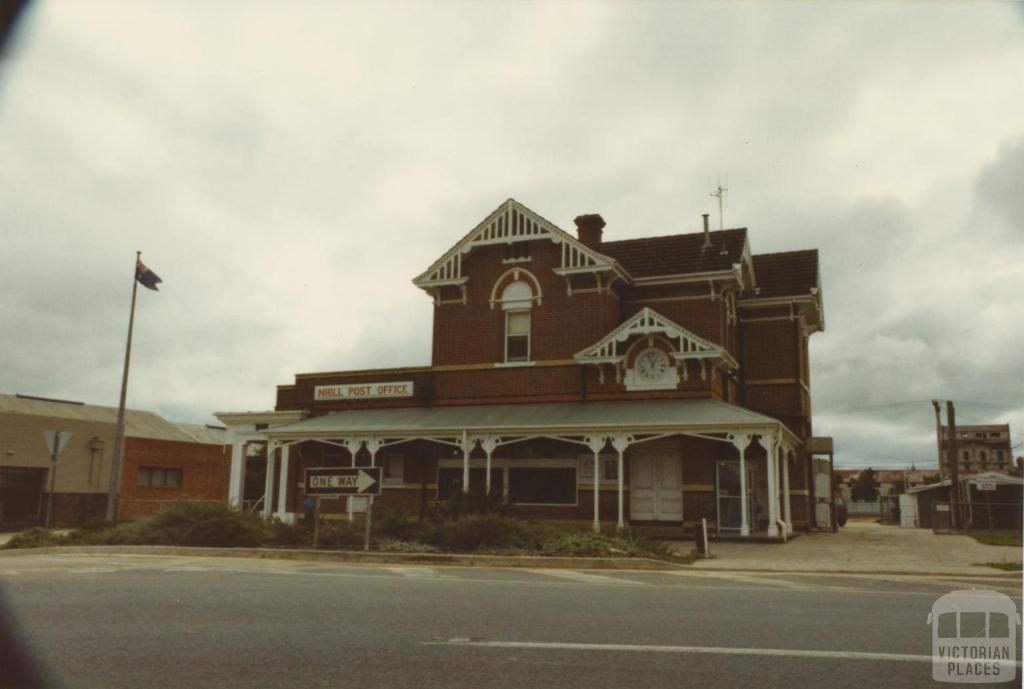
<point x="205" y="472"/>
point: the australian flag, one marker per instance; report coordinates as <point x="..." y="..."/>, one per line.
<point x="145" y="276"/>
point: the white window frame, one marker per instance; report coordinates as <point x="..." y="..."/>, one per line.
<point x="529" y="336"/>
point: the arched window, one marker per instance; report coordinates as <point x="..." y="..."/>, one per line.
<point x="516" y="301"/>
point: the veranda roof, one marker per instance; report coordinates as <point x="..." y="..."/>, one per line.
<point x="565" y="418"/>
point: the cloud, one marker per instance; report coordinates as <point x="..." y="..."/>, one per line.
<point x="287" y="174"/>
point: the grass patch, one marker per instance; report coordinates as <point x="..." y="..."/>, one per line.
<point x="997" y="536"/>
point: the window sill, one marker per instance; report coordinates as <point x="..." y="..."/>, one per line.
<point x="514" y="364"/>
<point x="525" y="259"/>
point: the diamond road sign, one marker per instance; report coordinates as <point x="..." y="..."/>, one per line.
<point x="343" y="481"/>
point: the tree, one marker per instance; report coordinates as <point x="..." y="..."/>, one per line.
<point x="865" y="486"/>
<point x="931" y="478"/>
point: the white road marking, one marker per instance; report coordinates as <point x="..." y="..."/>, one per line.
<point x="586" y="577"/>
<point x="413" y="571"/>
<point x="716" y="650"/>
<point x="92" y="570"/>
<point x="756" y="581"/>
<point x="187" y="568"/>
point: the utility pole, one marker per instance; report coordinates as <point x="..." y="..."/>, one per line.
<point x="938" y="434"/>
<point x="954" y="469"/>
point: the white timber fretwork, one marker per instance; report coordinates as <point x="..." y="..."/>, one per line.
<point x="613" y="348"/>
<point x="513" y="222"/>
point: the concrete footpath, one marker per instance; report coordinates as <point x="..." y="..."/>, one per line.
<point x="863" y="547"/>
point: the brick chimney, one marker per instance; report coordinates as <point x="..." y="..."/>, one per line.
<point x="589" y="228"/>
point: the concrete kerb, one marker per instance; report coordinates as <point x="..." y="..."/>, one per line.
<point x="450" y="559"/>
<point x="464" y="560"/>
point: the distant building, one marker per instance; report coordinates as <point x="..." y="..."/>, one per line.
<point x="979" y="448"/>
<point x="163" y="462"/>
<point x="890" y="481"/>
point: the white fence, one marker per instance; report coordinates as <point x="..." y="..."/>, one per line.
<point x="863" y="508"/>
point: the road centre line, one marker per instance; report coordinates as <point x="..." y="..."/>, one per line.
<point x="413" y="571"/>
<point x="706" y="650"/>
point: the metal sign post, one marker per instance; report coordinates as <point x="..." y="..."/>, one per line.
<point x="55" y="442"/>
<point x="316" y="522"/>
<point x="369" y="515"/>
<point x="338" y="481"/>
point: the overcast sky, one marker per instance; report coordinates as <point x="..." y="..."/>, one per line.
<point x="287" y="168"/>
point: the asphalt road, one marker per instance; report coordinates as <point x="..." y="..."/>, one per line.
<point x="149" y="621"/>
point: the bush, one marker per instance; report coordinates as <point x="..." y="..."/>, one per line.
<point x="341" y="533"/>
<point x="486" y="531"/>
<point x="279" y="533"/>
<point x="36" y="537"/>
<point x="388" y="523"/>
<point x="190" y="523"/>
<point x="460" y="505"/>
<point x="589" y="544"/>
<point x="225" y="531"/>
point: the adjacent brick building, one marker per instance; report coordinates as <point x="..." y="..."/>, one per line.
<point x="162" y="462"/>
<point x="645" y="381"/>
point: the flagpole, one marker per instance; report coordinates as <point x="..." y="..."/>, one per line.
<point x="115" y="469"/>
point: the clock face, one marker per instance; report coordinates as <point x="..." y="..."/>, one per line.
<point x="651" y="365"/>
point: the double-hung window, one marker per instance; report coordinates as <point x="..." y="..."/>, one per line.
<point x="517" y="336"/>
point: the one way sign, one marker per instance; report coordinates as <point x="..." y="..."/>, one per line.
<point x="343" y="481"/>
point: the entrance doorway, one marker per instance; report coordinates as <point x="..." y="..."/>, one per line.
<point x="21" y="494"/>
<point x="729" y="502"/>
<point x="655" y="483"/>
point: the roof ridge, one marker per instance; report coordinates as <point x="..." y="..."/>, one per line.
<point x="676" y="234"/>
<point x="786" y="253"/>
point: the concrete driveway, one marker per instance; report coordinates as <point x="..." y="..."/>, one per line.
<point x="865" y="546"/>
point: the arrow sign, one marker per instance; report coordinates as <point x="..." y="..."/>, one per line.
<point x="343" y="481"/>
<point x="55" y="441"/>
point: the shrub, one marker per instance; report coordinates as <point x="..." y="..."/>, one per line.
<point x="341" y="533"/>
<point x="184" y="523"/>
<point x="460" y="505"/>
<point x="485" y="531"/>
<point x="390" y="545"/>
<point x="36" y="537"/>
<point x="225" y="531"/>
<point x="279" y="533"/>
<point x="389" y="523"/>
<point x="589" y="544"/>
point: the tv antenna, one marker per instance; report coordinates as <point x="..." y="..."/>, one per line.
<point x="719" y="193"/>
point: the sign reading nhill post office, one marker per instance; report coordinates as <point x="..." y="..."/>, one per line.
<point x="343" y="481"/>
<point x="350" y="391"/>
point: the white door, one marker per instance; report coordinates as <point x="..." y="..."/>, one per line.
<point x="655" y="483"/>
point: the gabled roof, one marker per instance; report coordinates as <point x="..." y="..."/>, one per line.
<point x="509" y="223"/>
<point x="137" y="423"/>
<point x="679" y="254"/>
<point x="785" y="274"/>
<point x="647" y="321"/>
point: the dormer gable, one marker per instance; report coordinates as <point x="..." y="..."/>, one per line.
<point x="614" y="348"/>
<point x="509" y="223"/>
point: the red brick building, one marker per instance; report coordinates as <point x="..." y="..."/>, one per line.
<point x="646" y="381"/>
<point x="163" y="462"/>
